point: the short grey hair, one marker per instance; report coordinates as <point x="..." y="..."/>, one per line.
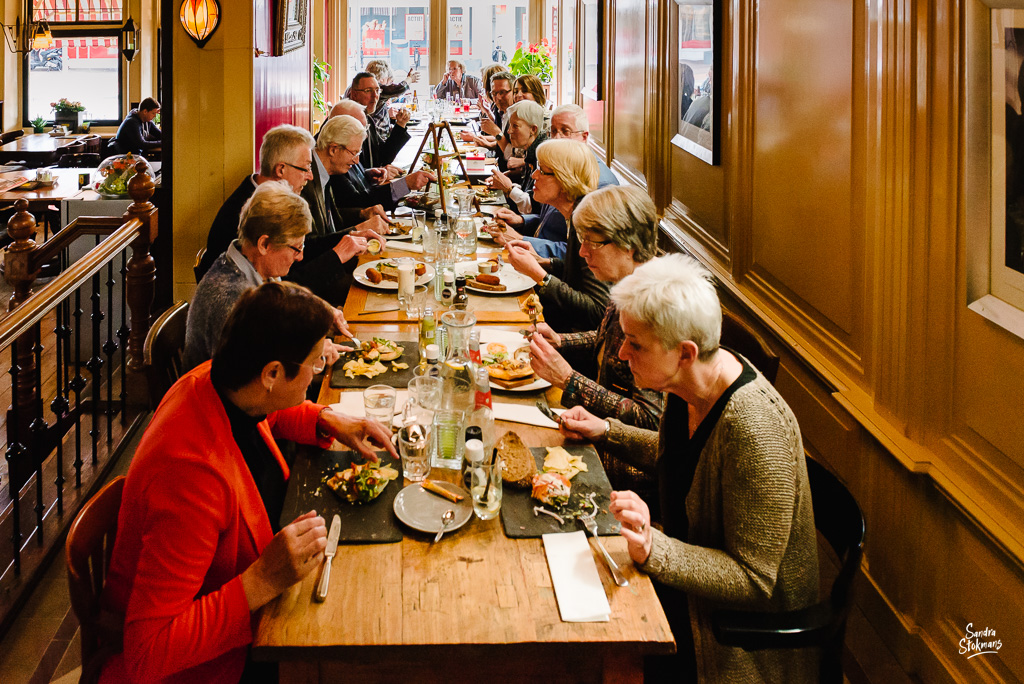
<point x="529" y="111"/>
<point x="579" y="117"/>
<point x="339" y="130"/>
<point x="380" y="69"/>
<point x="502" y="76"/>
<point x="675" y="297"/>
<point x="274" y="210"/>
<point x="622" y="214"/>
<point x="350" y="107"/>
<point x="279" y="145"/>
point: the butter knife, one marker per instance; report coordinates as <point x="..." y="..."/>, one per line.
<point x="546" y="410"/>
<point x="332" y="548"/>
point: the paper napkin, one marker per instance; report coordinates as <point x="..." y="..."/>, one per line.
<point x="578" y="587"/>
<point x="523" y="413"/>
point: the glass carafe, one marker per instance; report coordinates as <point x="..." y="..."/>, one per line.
<point x="464" y="225"/>
<point x="457" y="391"/>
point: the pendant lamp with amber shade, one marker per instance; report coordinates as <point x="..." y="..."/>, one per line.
<point x="200" y="19"/>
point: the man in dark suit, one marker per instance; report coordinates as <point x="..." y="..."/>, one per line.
<point x="377" y="149"/>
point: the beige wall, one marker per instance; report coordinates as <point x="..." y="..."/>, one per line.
<point x="835" y="221"/>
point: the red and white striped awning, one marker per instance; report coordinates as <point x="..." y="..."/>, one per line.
<point x="63" y="11"/>
<point x="85" y="42"/>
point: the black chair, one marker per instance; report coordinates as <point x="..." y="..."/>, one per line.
<point x="162" y="351"/>
<point x="8" y="136"/>
<point x="740" y="337"/>
<point x="80" y="160"/>
<point x="839" y="519"/>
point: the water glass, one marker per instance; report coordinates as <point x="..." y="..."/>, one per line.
<point x="425" y="391"/>
<point x="419" y="224"/>
<point x="414" y="303"/>
<point x="449" y="439"/>
<point x="379" y="404"/>
<point x="485" y="487"/>
<point x="414" y="448"/>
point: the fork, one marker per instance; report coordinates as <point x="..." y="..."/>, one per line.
<point x="589" y="522"/>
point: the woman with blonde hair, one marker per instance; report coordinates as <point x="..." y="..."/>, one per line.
<point x="573" y="299"/>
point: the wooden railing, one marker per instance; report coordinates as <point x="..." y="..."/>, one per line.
<point x="48" y="370"/>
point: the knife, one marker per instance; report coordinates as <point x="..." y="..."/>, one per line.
<point x="546" y="410"/>
<point x="332" y="548"/>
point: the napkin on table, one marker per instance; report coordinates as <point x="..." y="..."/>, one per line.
<point x="578" y="588"/>
<point x="523" y="413"/>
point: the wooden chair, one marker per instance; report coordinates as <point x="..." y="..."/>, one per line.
<point x="93" y="143"/>
<point x="10" y="135"/>
<point x="740" y="337"/>
<point x="87" y="554"/>
<point x="195" y="267"/>
<point x="79" y="160"/>
<point x="839" y="519"/>
<point x="162" y="351"/>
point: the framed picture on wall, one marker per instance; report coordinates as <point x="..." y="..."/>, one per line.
<point x="592" y="49"/>
<point x="290" y="20"/>
<point x="698" y="62"/>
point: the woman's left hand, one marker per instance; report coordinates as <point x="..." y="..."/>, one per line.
<point x="548" y="363"/>
<point x="524" y="262"/>
<point x="332" y="352"/>
<point x="355" y="432"/>
<point x="500" y="181"/>
<point x="634" y="515"/>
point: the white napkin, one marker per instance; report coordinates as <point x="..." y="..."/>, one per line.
<point x="351" y="403"/>
<point x="578" y="588"/>
<point x="404" y="246"/>
<point x="523" y="413"/>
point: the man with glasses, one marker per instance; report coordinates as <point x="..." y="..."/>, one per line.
<point x="380" y="148"/>
<point x="493" y="122"/>
<point x="356" y="186"/>
<point x="570" y="121"/>
<point x="457" y="82"/>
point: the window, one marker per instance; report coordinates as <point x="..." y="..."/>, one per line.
<point x="71" y="11"/>
<point x="84" y="63"/>
<point x="481" y="33"/>
<point x="566" y="63"/>
<point x="81" y="66"/>
<point x="399" y="35"/>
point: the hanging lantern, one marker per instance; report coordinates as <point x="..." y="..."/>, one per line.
<point x="129" y="39"/>
<point x="200" y="19"/>
<point x="42" y="39"/>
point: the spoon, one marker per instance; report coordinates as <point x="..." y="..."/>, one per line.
<point x="446" y="520"/>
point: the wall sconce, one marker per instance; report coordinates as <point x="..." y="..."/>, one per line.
<point x="129" y="39"/>
<point x="200" y="19"/>
<point x="32" y="35"/>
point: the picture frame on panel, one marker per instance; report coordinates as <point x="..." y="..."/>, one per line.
<point x="291" y="17"/>
<point x="592" y="49"/>
<point x="698" y="65"/>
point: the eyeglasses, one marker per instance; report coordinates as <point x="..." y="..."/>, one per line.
<point x="303" y="169"/>
<point x="354" y="153"/>
<point x="366" y="90"/>
<point x="297" y="250"/>
<point x="317" y="367"/>
<point x="565" y="132"/>
<point x="545" y="173"/>
<point x="592" y="245"/>
<point x="496" y="93"/>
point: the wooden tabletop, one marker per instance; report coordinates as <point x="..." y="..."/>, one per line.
<point x="476" y="604"/>
<point x="65" y="187"/>
<point x="36" y="147"/>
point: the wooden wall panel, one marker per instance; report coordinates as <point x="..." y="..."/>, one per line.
<point x="630" y="85"/>
<point x="698" y="191"/>
<point x="803" y="234"/>
<point x="281" y="85"/>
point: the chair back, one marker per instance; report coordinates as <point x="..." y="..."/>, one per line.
<point x="839" y="519"/>
<point x="93" y="143"/>
<point x="163" y="349"/>
<point x="79" y="160"/>
<point x="196" y="266"/>
<point x="87" y="555"/>
<point x="740" y="337"/>
<point x="8" y="136"/>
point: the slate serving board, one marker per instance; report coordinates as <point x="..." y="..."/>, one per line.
<point x="373" y="522"/>
<point x="517" y="516"/>
<point x="398" y="379"/>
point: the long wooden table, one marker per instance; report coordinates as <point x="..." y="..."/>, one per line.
<point x="475" y="605"/>
<point x="38" y="149"/>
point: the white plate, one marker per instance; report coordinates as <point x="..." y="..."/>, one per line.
<point x="360" y="276"/>
<point x="421" y="510"/>
<point x="514" y="281"/>
<point x="512" y="341"/>
<point x="405" y="221"/>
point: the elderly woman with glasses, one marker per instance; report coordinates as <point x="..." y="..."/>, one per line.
<point x="617" y="229"/>
<point x="271" y="237"/>
<point x="732" y="480"/>
<point x="573" y="298"/>
<point x="200" y="544"/>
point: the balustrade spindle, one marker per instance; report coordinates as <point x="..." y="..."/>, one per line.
<point x="77" y="385"/>
<point x="109" y="348"/>
<point x="122" y="336"/>
<point x="14" y="454"/>
<point x="37" y="428"/>
<point x="59" y="406"/>
<point x="95" y="366"/>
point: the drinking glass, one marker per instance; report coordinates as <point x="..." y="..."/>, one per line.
<point x="485" y="487"/>
<point x="379" y="404"/>
<point x="414" y="448"/>
<point x="419" y="224"/>
<point x="414" y="303"/>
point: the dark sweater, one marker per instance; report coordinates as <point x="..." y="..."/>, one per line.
<point x="134" y="135"/>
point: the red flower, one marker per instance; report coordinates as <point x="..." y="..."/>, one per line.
<point x="519" y="45"/>
<point x="533" y="49"/>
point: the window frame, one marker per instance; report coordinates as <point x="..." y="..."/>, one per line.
<point x="79" y="30"/>
<point x="78" y="22"/>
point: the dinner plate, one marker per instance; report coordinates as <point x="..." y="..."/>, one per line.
<point x="514" y="281"/>
<point x="405" y="221"/>
<point x="360" y="276"/>
<point x="512" y="341"/>
<point x="421" y="510"/>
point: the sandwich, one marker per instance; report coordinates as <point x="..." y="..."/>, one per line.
<point x="486" y="281"/>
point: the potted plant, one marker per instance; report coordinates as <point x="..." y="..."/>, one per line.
<point x="68" y="112"/>
<point x="535" y="59"/>
<point x="38" y="124"/>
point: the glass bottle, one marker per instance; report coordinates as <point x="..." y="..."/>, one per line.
<point x="464" y="224"/>
<point x="483" y="410"/>
<point x="474" y="455"/>
<point x="428" y="327"/>
<point x="460" y="301"/>
<point x="458" y="391"/>
<point x="447" y="297"/>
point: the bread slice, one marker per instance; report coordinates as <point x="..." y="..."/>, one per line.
<point x="519" y="466"/>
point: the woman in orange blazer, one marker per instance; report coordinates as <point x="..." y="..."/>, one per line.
<point x="196" y="554"/>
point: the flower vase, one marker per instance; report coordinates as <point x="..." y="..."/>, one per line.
<point x="72" y="120"/>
